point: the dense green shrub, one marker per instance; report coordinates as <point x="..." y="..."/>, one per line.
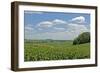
<point x="82" y="38"/>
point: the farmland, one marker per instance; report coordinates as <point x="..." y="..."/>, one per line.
<point x="39" y="50"/>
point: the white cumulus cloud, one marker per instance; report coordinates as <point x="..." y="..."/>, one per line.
<point x="79" y="19"/>
<point x="28" y="27"/>
<point x="76" y="28"/>
<point x="59" y="21"/>
<point x="45" y="24"/>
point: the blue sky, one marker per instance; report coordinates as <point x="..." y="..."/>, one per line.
<point x="55" y="25"/>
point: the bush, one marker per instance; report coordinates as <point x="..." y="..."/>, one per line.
<point x="82" y="38"/>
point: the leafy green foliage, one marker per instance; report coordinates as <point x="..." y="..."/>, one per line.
<point x="55" y="50"/>
<point x="82" y="38"/>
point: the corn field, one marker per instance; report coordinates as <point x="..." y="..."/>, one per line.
<point x="55" y="50"/>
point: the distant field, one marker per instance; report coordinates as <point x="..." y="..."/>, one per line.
<point x="39" y="50"/>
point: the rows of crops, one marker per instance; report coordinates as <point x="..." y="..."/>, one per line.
<point x="55" y="50"/>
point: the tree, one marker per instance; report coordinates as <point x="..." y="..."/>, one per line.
<point x="82" y="38"/>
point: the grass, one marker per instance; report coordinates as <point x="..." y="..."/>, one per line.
<point x="55" y="50"/>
